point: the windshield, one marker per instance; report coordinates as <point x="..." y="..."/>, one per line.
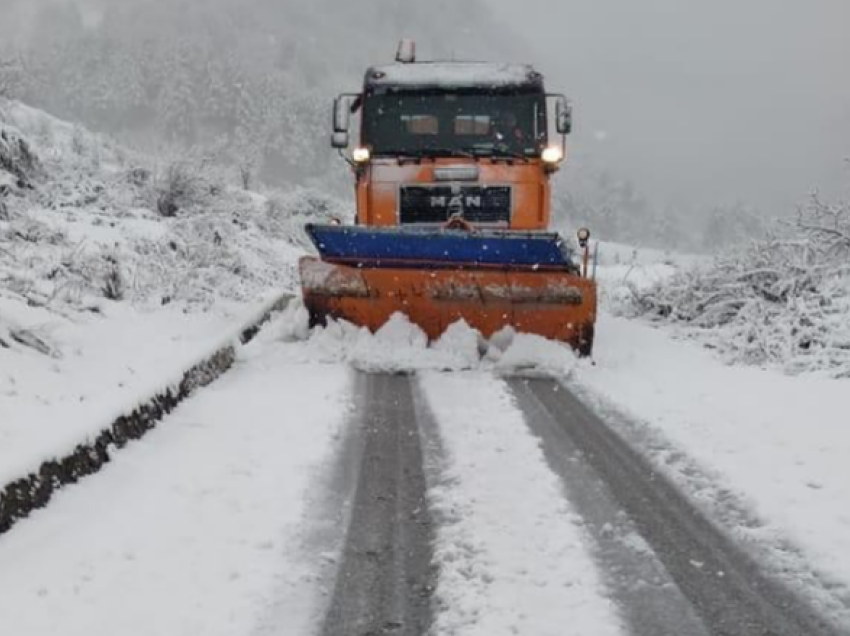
<point x="455" y="124"/>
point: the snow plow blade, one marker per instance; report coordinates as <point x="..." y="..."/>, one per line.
<point x="436" y="277"/>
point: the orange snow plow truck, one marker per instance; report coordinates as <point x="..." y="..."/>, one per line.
<point x="453" y="168"/>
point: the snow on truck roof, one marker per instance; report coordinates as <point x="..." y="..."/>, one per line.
<point x="454" y="74"/>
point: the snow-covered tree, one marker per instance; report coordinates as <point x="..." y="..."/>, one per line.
<point x="783" y="300"/>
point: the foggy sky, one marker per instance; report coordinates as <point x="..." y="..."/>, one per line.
<point x="697" y="100"/>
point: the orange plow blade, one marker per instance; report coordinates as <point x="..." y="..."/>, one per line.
<point x="556" y="305"/>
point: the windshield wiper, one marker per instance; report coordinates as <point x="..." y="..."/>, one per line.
<point x="420" y="153"/>
<point x="399" y="155"/>
<point x="445" y="152"/>
<point x="500" y="152"/>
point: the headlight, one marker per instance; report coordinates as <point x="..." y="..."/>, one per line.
<point x="553" y="154"/>
<point x="361" y="155"/>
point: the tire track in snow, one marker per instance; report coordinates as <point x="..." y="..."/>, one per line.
<point x="385" y="580"/>
<point x="726" y="587"/>
<point x="650" y="599"/>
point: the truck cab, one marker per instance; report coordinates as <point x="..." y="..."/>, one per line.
<point x="442" y="142"/>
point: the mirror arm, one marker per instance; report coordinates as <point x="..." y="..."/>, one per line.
<point x="346" y="158"/>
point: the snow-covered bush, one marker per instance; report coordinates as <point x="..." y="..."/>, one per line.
<point x="180" y="186"/>
<point x="130" y="228"/>
<point x="784" y="300"/>
<point x="17" y="159"/>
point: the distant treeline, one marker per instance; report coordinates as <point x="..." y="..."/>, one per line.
<point x="252" y="79"/>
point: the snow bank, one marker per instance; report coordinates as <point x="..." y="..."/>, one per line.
<point x="65" y="436"/>
<point x="205" y="527"/>
<point x="117" y="273"/>
<point x="399" y="346"/>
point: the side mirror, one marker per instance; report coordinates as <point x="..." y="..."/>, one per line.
<point x="342" y="114"/>
<point x="339" y="140"/>
<point x="341" y="122"/>
<point x="563" y="116"/>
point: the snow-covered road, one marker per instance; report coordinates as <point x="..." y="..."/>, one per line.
<point x="224" y="520"/>
<point x="299" y="496"/>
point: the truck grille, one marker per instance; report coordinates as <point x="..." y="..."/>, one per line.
<point x="436" y="204"/>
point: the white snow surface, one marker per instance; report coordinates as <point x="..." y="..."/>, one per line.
<point x="200" y="528"/>
<point x="779" y="443"/>
<point x="101" y="366"/>
<point x="513" y="557"/>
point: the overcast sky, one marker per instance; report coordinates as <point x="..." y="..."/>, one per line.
<point x="700" y="100"/>
<point x="696" y="101"/>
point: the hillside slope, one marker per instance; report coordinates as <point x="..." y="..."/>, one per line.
<point x="117" y="270"/>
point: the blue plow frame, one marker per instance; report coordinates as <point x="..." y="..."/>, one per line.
<point x="441" y="248"/>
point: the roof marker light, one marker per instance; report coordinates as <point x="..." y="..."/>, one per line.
<point x="406" y="51"/>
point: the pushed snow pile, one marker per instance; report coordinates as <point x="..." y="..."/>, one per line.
<point x="397" y="347"/>
<point x="783" y="301"/>
<point x="400" y="346"/>
<point x="461" y="342"/>
<point x="534" y="356"/>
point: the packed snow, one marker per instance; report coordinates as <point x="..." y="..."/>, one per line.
<point x="513" y="556"/>
<point x="204" y="527"/>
